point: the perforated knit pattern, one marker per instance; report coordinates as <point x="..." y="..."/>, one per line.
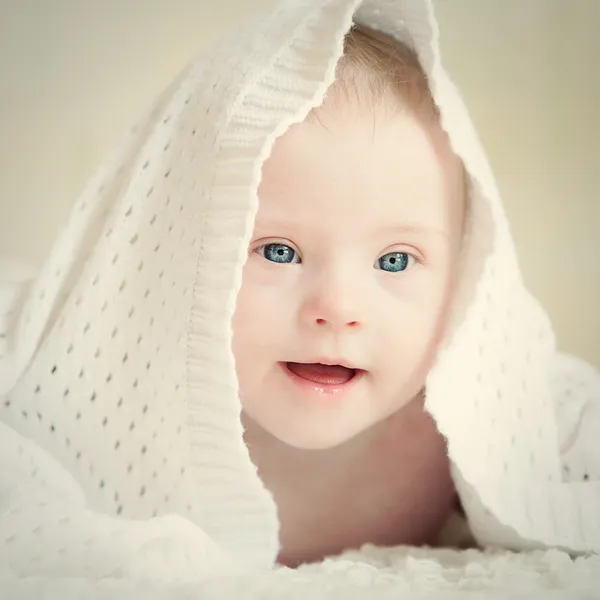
<point x="119" y="403"/>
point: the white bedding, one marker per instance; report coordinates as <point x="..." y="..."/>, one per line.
<point x="372" y="573"/>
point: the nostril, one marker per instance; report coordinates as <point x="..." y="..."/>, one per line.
<point x="324" y="322"/>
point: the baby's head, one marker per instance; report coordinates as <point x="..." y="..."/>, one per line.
<point x="354" y="254"/>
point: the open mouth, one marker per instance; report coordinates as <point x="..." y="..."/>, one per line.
<point x="321" y="374"/>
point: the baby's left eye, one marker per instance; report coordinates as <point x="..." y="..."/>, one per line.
<point x="394" y="262"/>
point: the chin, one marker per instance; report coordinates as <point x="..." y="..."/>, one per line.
<point x="313" y="438"/>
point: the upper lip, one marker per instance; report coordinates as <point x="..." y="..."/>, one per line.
<point x="331" y="361"/>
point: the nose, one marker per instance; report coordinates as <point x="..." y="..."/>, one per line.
<point x="332" y="305"/>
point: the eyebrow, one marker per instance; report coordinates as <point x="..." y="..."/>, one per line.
<point x="411" y="228"/>
<point x="274" y="224"/>
<point x="385" y="231"/>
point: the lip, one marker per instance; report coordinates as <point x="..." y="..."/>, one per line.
<point x="325" y="389"/>
<point x="334" y="361"/>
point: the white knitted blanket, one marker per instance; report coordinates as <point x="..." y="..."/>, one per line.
<point x="375" y="574"/>
<point x="122" y="463"/>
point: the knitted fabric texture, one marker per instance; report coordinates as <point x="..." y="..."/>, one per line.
<point x="121" y="446"/>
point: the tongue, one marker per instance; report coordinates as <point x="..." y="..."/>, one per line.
<point x="325" y="374"/>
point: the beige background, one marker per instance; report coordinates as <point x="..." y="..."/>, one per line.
<point x="75" y="73"/>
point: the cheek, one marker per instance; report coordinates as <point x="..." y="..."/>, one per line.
<point x="413" y="334"/>
<point x="246" y="318"/>
<point x="260" y="314"/>
<point x="418" y="301"/>
<point x="248" y="341"/>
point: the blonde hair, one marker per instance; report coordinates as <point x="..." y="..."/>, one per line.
<point x="376" y="68"/>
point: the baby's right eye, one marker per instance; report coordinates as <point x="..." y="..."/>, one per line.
<point x="278" y="253"/>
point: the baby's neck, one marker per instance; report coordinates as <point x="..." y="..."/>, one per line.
<point x="389" y="485"/>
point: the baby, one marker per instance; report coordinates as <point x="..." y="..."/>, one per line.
<point x="389" y="359"/>
<point x="350" y="271"/>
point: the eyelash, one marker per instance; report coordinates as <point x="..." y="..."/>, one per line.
<point x="417" y="257"/>
<point x="257" y="249"/>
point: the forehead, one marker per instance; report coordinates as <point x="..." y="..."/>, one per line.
<point x="348" y="161"/>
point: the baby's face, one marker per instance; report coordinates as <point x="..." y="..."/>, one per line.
<point x="352" y="263"/>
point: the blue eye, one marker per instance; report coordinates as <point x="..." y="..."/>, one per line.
<point x="394" y="262"/>
<point x="278" y="253"/>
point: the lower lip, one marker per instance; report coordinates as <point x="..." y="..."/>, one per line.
<point x="323" y="389"/>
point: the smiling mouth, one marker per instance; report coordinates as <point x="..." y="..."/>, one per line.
<point x="326" y="375"/>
